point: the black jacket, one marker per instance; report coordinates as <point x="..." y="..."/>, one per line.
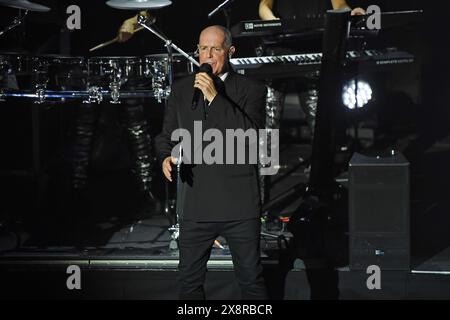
<point x="215" y="192"/>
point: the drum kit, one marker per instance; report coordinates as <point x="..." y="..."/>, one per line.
<point x="57" y="78"/>
<point x="113" y="79"/>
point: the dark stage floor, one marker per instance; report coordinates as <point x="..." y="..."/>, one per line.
<point x="131" y="258"/>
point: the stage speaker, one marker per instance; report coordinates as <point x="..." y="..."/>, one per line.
<point x="379" y="212"/>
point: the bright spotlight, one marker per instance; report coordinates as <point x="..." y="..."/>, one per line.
<point x="356" y="95"/>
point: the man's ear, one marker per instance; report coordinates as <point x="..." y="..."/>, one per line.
<point x="231" y="51"/>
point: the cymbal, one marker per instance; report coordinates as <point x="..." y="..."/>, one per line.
<point x="25" y="5"/>
<point x="138" y="4"/>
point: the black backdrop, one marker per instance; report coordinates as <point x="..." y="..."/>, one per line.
<point x="180" y="21"/>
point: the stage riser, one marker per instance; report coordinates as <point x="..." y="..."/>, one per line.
<point x="29" y="283"/>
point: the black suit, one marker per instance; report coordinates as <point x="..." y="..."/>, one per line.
<point x="217" y="198"/>
<point x="216" y="192"/>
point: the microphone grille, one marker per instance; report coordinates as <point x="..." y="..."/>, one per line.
<point x="205" y="67"/>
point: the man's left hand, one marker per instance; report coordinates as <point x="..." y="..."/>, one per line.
<point x="206" y="84"/>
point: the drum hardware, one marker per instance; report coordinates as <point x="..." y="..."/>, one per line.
<point x="50" y="77"/>
<point x="143" y="21"/>
<point x="157" y="71"/>
<point x="113" y="73"/>
<point x="94" y="95"/>
<point x="15" y="71"/>
<point x="40" y="79"/>
<point x="158" y="68"/>
<point x="40" y="94"/>
<point x="159" y="89"/>
<point x="174" y="234"/>
<point x="21" y="5"/>
<point x="224" y="6"/>
<point x="161" y="93"/>
<point x="115" y="92"/>
<point x="138" y="4"/>
<point x="116" y="83"/>
<point x="15" y="23"/>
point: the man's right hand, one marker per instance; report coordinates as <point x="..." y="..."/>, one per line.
<point x="130" y="26"/>
<point x="126" y="30"/>
<point x="167" y="167"/>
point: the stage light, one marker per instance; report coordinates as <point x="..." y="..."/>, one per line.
<point x="356" y="94"/>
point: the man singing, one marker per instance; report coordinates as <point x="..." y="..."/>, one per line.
<point x="219" y="198"/>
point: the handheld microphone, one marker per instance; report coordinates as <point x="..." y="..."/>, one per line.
<point x="205" y="67"/>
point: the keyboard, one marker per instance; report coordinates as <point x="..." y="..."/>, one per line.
<point x="286" y="66"/>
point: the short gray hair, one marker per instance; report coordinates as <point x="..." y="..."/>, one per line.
<point x="228" y="38"/>
<point x="228" y="42"/>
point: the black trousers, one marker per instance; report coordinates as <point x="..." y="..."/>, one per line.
<point x="195" y="243"/>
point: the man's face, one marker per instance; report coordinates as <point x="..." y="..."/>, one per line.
<point x="212" y="50"/>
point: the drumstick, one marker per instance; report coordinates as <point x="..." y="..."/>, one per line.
<point x="107" y="43"/>
<point x="104" y="44"/>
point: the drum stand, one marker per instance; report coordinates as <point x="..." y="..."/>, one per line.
<point x="175" y="227"/>
<point x="143" y="21"/>
<point x="161" y="93"/>
<point x="224" y="6"/>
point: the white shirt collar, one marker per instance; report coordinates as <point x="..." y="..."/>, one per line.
<point x="224" y="76"/>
